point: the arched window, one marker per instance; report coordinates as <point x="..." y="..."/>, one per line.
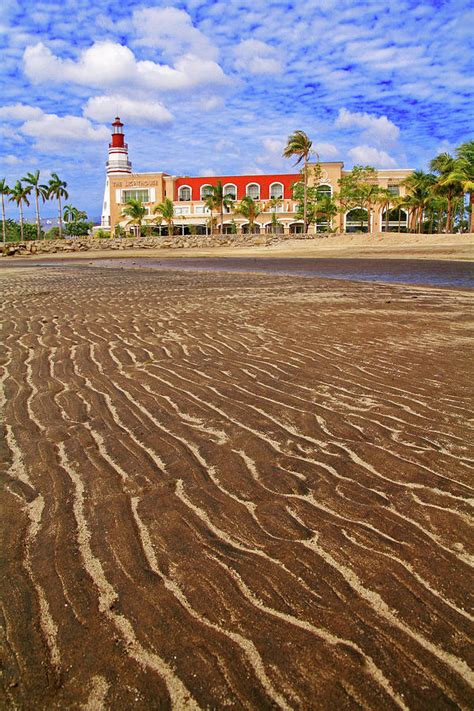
<point x="357" y="220"/>
<point x="253" y="191"/>
<point x="394" y="220"/>
<point x="230" y="190"/>
<point x="205" y="191"/>
<point x="324" y="190"/>
<point x="184" y="193"/>
<point x="276" y="191"/>
<point x="296" y="228"/>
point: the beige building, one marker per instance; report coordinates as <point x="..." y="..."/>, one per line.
<point x="274" y="194"/>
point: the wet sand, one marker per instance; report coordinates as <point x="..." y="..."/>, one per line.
<point x="459" y="274"/>
<point x="235" y="490"/>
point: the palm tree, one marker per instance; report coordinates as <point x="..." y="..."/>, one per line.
<point x="166" y="211"/>
<point x="370" y="196"/>
<point x="325" y="207"/>
<point x="249" y="209"/>
<point x="70" y="213"/>
<point x="135" y="211"/>
<point x="419" y="187"/>
<point x="299" y="144"/>
<point x="384" y="199"/>
<point x="19" y="194"/>
<point x="57" y="189"/>
<point x="219" y="200"/>
<point x="4" y="190"/>
<point x="40" y="191"/>
<point x="444" y="164"/>
<point x="462" y="175"/>
<point x="272" y="205"/>
<point x="211" y="204"/>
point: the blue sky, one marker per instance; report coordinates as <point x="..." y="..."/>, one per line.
<point x="216" y="87"/>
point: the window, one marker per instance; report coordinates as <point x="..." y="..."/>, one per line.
<point x="182" y="210"/>
<point x="184" y="193"/>
<point x="230" y="190"/>
<point x="205" y="191"/>
<point x="324" y="190"/>
<point x="394" y="190"/>
<point x="253" y="191"/>
<point x="276" y="191"/>
<point x="141" y="195"/>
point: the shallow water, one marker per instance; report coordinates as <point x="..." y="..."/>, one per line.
<point x="400" y="271"/>
<point x="423" y="272"/>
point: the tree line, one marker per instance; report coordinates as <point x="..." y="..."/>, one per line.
<point x="30" y="187"/>
<point x="434" y="201"/>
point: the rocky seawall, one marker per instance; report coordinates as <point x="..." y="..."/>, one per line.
<point x="80" y="244"/>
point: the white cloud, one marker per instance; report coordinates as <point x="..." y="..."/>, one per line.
<point x="271" y="158"/>
<point x="211" y="103"/>
<point x="63" y="129"/>
<point x="51" y="131"/>
<point x="141" y="112"/>
<point x="19" y="112"/>
<point x="172" y="31"/>
<point x="11" y="160"/>
<point x="376" y="128"/>
<point x="256" y="57"/>
<point x="111" y="65"/>
<point x="326" y="150"/>
<point x="368" y="155"/>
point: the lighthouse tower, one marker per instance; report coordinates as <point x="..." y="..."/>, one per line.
<point x="117" y="164"/>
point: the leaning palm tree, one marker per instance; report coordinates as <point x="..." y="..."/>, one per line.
<point x="135" y="211"/>
<point x="4" y="190"/>
<point x="57" y="189"/>
<point x="165" y="210"/>
<point x="39" y="191"/>
<point x="19" y="195"/>
<point x="299" y="145"/>
<point x="249" y="209"/>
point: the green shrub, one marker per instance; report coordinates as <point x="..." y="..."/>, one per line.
<point x="78" y="229"/>
<point x="53" y="233"/>
<point x="102" y="234"/>
<point x="13" y="233"/>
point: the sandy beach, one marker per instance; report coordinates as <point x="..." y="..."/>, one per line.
<point x="229" y="490"/>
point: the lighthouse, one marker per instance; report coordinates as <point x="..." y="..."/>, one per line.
<point x="117" y="164"/>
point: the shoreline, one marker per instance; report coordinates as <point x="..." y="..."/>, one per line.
<point x="391" y="246"/>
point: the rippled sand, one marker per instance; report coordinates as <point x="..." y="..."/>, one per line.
<point x="235" y="490"/>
